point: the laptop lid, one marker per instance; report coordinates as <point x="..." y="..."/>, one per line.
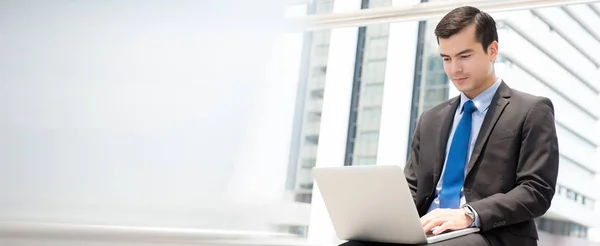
<point x="373" y="203"/>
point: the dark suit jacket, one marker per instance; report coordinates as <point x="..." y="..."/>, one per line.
<point x="512" y="172"/>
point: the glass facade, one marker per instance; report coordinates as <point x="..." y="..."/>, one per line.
<point x="431" y="85"/>
<point x="303" y="154"/>
<point x="367" y="98"/>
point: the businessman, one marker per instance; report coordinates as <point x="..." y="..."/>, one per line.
<point x="487" y="158"/>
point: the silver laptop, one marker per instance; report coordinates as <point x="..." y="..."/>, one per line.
<point x="374" y="204"/>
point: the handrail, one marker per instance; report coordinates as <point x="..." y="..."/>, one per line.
<point x="36" y="230"/>
<point x="419" y="11"/>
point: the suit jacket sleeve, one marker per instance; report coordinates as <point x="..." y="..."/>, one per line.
<point x="536" y="173"/>
<point x="412" y="164"/>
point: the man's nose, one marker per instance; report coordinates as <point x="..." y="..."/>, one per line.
<point x="456" y="67"/>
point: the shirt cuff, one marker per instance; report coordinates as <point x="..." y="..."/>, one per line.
<point x="476" y="221"/>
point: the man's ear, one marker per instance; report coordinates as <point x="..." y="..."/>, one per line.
<point x="492" y="50"/>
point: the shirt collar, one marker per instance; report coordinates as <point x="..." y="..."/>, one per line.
<point x="484" y="99"/>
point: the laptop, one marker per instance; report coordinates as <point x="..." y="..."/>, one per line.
<point x="374" y="204"/>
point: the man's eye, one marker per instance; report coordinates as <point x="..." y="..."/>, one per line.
<point x="465" y="57"/>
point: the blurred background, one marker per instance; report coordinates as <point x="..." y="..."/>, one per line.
<point x="210" y="115"/>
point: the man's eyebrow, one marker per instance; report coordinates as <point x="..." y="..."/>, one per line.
<point x="457" y="54"/>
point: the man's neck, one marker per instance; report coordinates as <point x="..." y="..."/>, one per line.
<point x="489" y="82"/>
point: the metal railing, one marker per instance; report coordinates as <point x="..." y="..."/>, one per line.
<point x="107" y="233"/>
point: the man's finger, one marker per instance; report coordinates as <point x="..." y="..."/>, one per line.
<point x="428" y="217"/>
<point x="433" y="223"/>
<point x="442" y="228"/>
<point x="425" y="219"/>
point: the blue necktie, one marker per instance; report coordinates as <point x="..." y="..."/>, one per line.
<point x="454" y="174"/>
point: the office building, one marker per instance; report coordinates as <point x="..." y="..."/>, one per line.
<point x="548" y="51"/>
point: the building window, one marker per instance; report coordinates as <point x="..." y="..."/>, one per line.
<point x="309" y="163"/>
<point x="575" y="196"/>
<point x="303" y="197"/>
<point x="561" y="190"/>
<point x="373" y="95"/>
<point x="562" y="228"/>
<point x="370" y="117"/>
<point x="571" y="194"/>
<point x="314" y="117"/>
<point x="317" y="93"/>
<point x="320" y="71"/>
<point x="306" y="186"/>
<point x="378" y="48"/>
<point x="374" y="72"/>
<point x="367" y="143"/>
<point x="361" y="161"/>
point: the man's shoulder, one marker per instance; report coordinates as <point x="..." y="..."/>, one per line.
<point x="527" y="100"/>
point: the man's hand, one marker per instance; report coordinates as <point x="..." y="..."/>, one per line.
<point x="445" y="219"/>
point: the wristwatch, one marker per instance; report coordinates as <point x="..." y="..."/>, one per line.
<point x="469" y="212"/>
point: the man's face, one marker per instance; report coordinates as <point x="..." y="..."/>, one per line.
<point x="466" y="63"/>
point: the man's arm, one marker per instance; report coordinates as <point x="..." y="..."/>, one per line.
<point x="412" y="164"/>
<point x="536" y="174"/>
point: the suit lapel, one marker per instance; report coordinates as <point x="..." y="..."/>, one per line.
<point x="446" y="117"/>
<point x="499" y="102"/>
